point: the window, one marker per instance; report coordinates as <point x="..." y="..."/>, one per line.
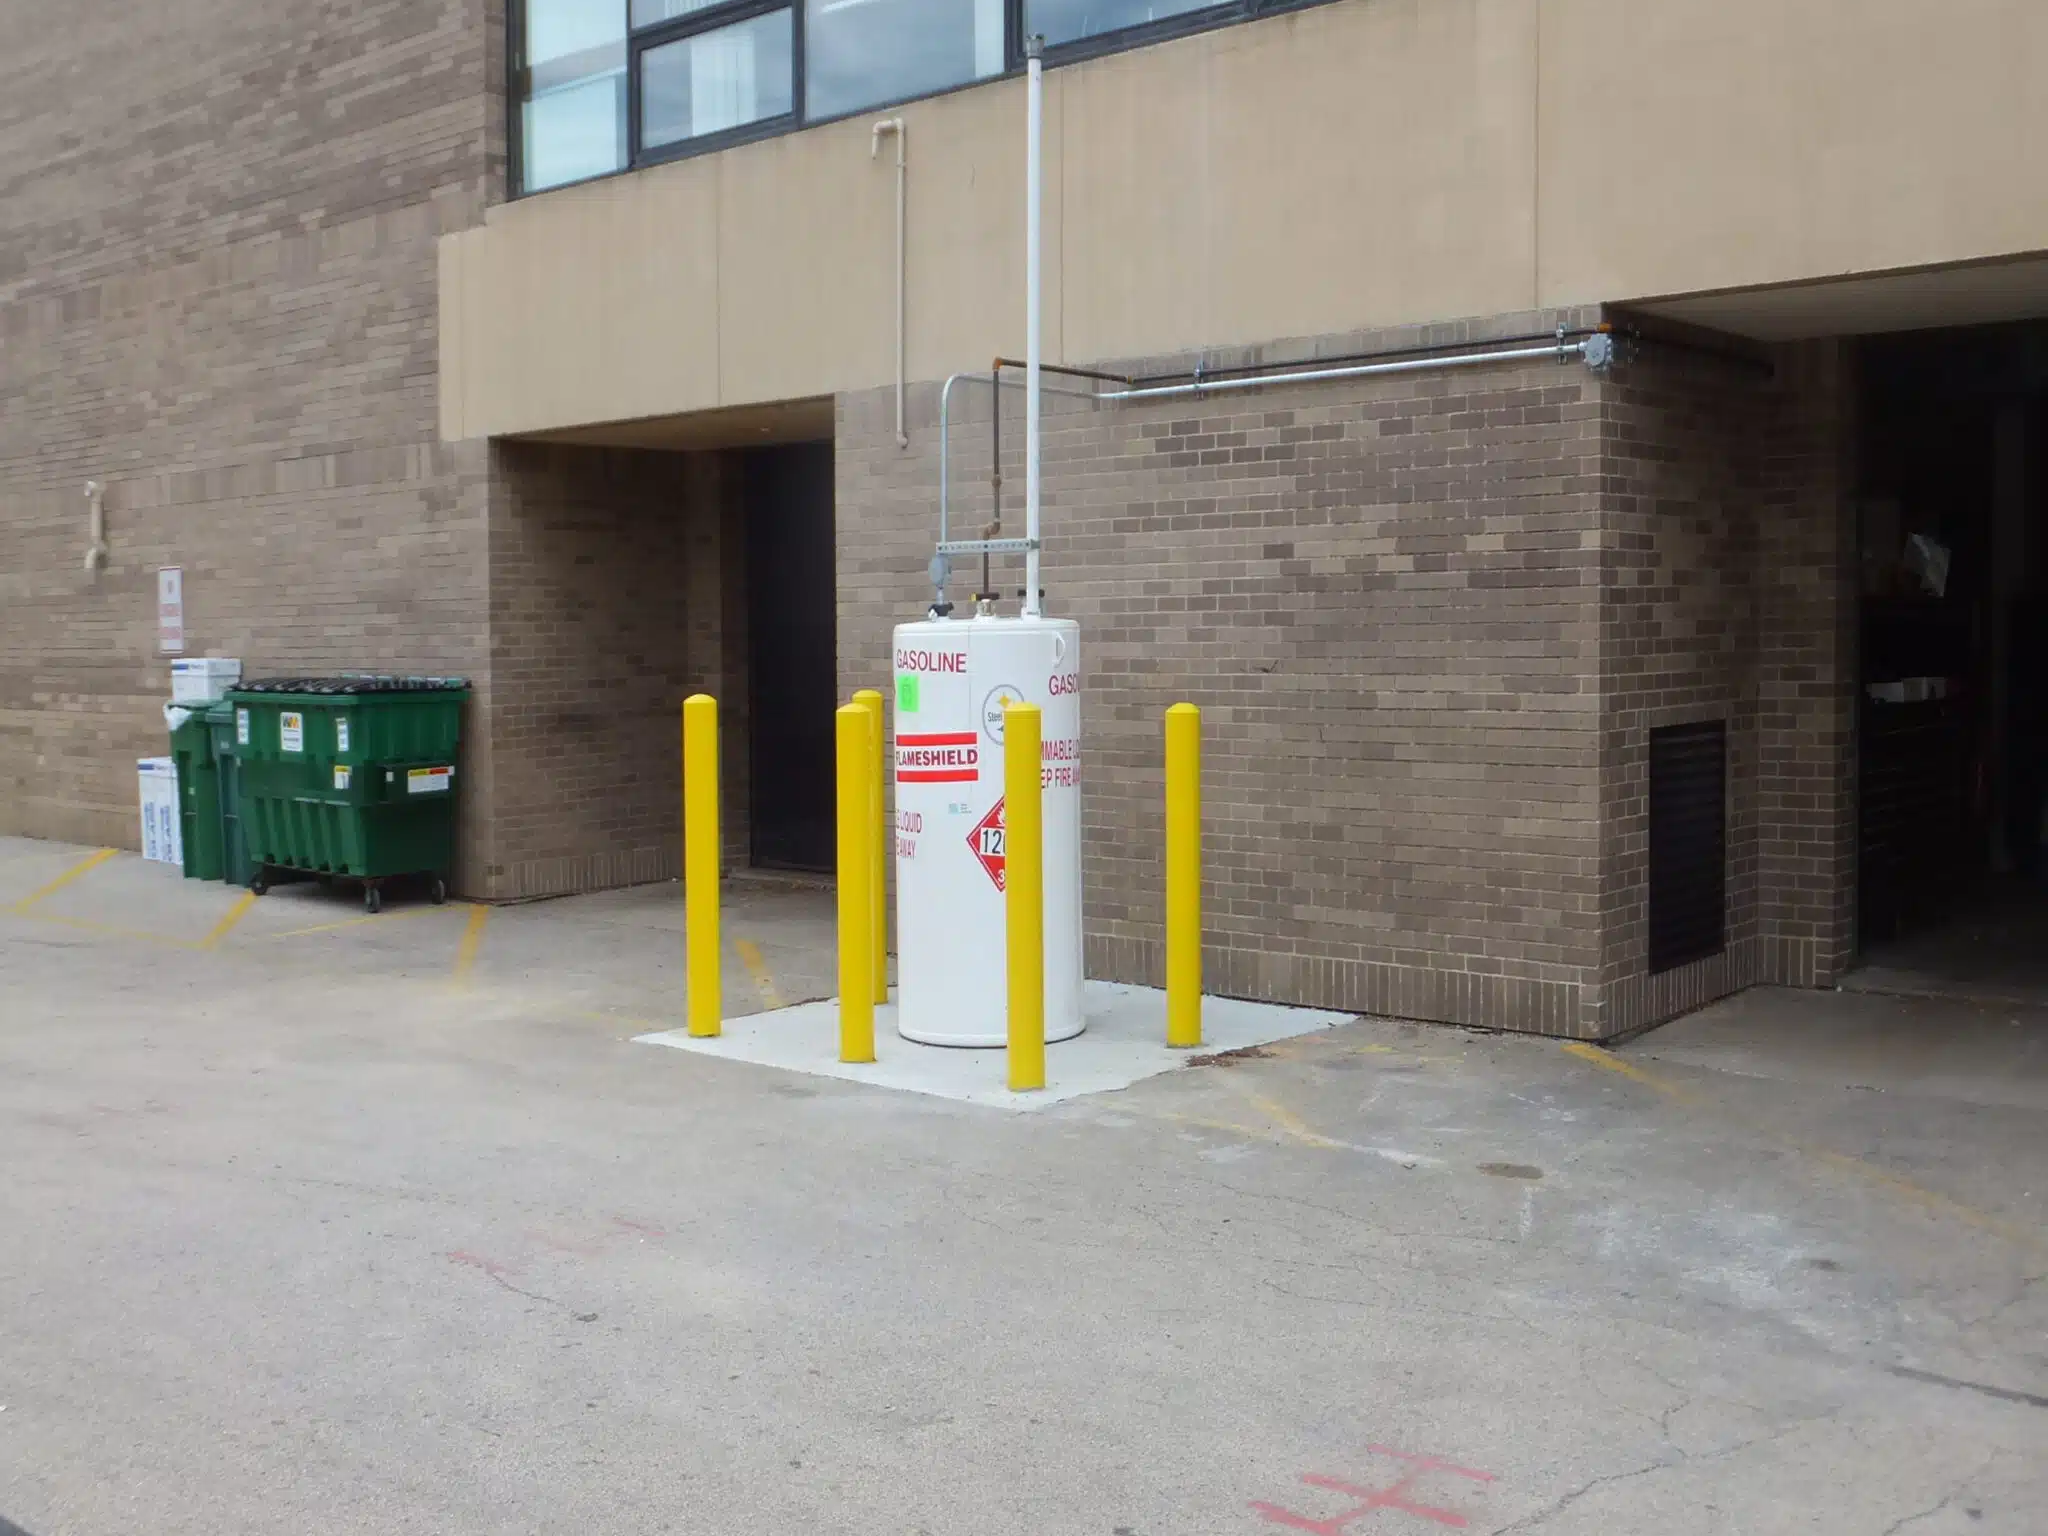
<point x="713" y="80"/>
<point x="571" y="86"/>
<point x="598" y="85"/>
<point x="858" y="53"/>
<point x="1070" y="21"/>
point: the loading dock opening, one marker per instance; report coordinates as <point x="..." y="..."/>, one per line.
<point x="1952" y="682"/>
<point x="634" y="564"/>
<point x="792" y="636"/>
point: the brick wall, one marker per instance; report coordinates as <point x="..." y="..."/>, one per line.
<point x="615" y="592"/>
<point x="1432" y="620"/>
<point x="1728" y="594"/>
<point x="1678" y="643"/>
<point x="217" y="297"/>
<point x="1806" y="670"/>
<point x="1383" y="594"/>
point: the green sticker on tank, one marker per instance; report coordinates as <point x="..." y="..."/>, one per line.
<point x="906" y="693"/>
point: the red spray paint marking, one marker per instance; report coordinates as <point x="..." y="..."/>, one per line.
<point x="647" y="1228"/>
<point x="1392" y="1496"/>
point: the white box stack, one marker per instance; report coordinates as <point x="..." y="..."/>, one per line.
<point x="203" y="679"/>
<point x="162" y="839"/>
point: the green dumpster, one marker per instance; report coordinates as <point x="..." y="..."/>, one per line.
<point x="235" y="867"/>
<point x="350" y="777"/>
<point x="198" y="797"/>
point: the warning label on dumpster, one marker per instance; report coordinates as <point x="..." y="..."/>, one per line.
<point x="986" y="839"/>
<point x="341" y="734"/>
<point x="291" y="731"/>
<point x="341" y="775"/>
<point x="423" y="781"/>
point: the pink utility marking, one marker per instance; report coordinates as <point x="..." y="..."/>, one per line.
<point x="1393" y="1496"/>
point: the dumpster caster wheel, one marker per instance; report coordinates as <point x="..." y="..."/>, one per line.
<point x="437" y="891"/>
<point x="373" y="900"/>
<point x="258" y="886"/>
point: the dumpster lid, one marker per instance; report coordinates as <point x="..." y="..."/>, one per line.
<point x="354" y="682"/>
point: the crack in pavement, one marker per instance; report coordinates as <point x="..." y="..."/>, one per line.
<point x="1943" y="1502"/>
<point x="496" y="1271"/>
<point x="1664" y="1464"/>
<point x="1530" y="1522"/>
<point x="2003" y="1394"/>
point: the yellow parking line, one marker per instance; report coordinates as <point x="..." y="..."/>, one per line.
<point x="1905" y="1189"/>
<point x="1291" y="1123"/>
<point x="472" y="941"/>
<point x="234" y="915"/>
<point x="85" y="865"/>
<point x="750" y="956"/>
<point x="1608" y="1061"/>
<point x="356" y="922"/>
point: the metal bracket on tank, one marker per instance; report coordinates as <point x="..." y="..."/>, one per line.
<point x="987" y="546"/>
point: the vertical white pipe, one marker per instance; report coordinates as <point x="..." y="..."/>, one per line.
<point x="1034" y="129"/>
<point x="95" y="525"/>
<point x="894" y="125"/>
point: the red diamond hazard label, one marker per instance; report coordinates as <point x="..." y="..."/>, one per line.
<point x="986" y="839"/>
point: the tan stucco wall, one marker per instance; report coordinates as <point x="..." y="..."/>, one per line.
<point x="1367" y="163"/>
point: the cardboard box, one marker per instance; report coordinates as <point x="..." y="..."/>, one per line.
<point x="203" y="679"/>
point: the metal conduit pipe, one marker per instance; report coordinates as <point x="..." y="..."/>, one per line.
<point x="1341" y="359"/>
<point x="941" y="567"/>
<point x="1596" y="350"/>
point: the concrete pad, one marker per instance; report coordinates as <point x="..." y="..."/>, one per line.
<point x="1125" y="1042"/>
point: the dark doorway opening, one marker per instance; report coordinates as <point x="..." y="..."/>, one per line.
<point x="792" y="648"/>
<point x="1952" y="690"/>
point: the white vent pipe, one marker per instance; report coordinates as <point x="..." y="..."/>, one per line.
<point x="95" y="525"/>
<point x="1034" y="131"/>
<point x="895" y="126"/>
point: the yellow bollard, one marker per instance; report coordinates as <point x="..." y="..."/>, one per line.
<point x="702" y="973"/>
<point x="1183" y="876"/>
<point x="878" y="869"/>
<point x="856" y="897"/>
<point x="1024" y="893"/>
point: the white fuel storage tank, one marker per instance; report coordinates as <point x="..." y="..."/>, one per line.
<point x="953" y="677"/>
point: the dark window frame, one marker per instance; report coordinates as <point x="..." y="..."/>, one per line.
<point x="638" y="41"/>
<point x="1145" y="33"/>
<point x="710" y="19"/>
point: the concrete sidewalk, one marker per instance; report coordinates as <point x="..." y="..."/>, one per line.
<point x="390" y="1226"/>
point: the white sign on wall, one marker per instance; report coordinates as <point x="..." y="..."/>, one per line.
<point x="170" y="610"/>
